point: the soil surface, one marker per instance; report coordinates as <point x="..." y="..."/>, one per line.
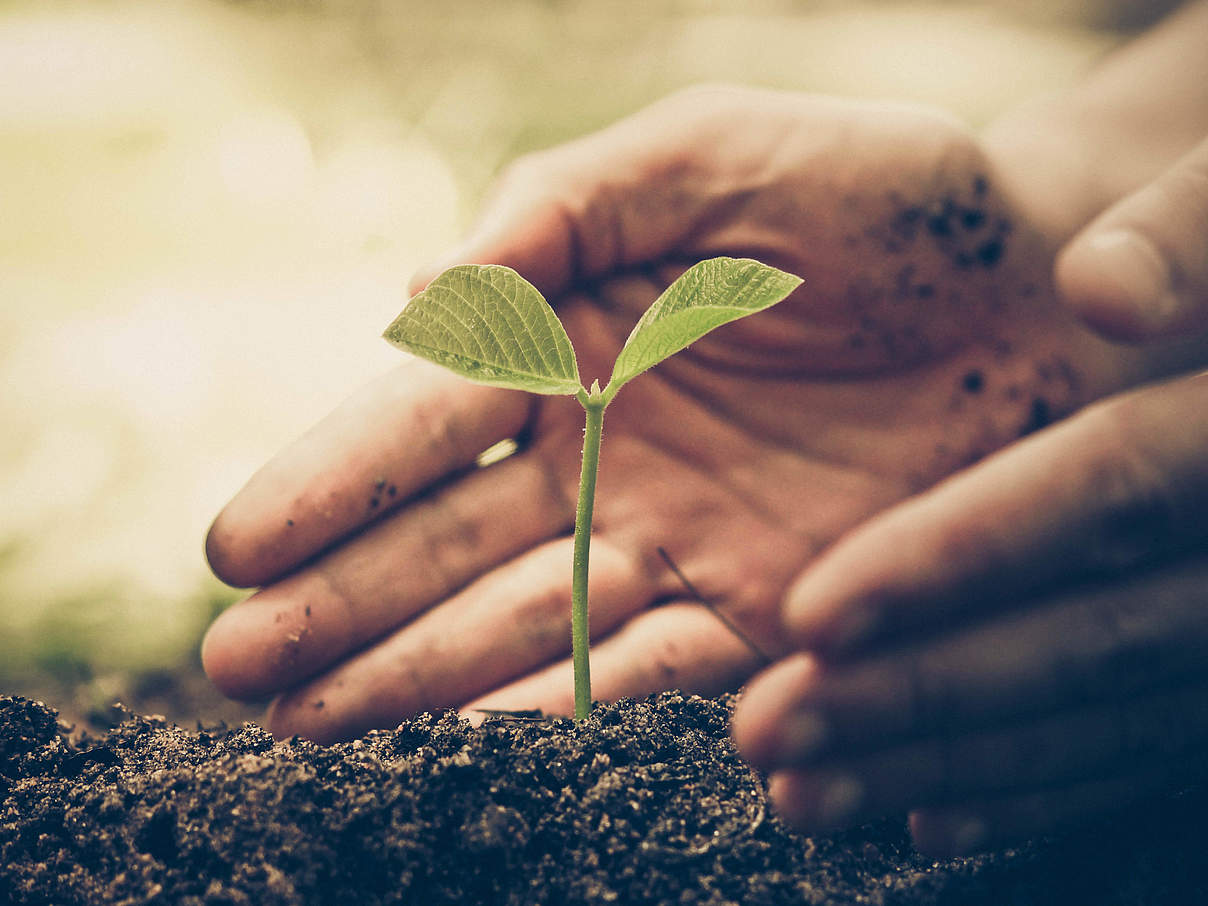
<point x="644" y="802"/>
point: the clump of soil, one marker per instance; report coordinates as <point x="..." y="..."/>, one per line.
<point x="644" y="802"/>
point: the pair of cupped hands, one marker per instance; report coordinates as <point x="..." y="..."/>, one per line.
<point x="966" y="562"/>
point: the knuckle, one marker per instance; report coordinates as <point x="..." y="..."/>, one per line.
<point x="524" y="170"/>
<point x="534" y="177"/>
<point x="554" y="484"/>
<point x="664" y="663"/>
<point x="542" y="617"/>
<point x="435" y="428"/>
<point x="1135" y="512"/>
<point x="448" y="543"/>
<point x="546" y="175"/>
<point x="659" y="661"/>
<point x="704" y="115"/>
<point x="704" y="96"/>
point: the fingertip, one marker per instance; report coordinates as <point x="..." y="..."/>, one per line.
<point x="219" y="657"/>
<point x="322" y="713"/>
<point x="948" y="834"/>
<point x="259" y="645"/>
<point x="475" y="717"/>
<point x="825" y="618"/>
<point x="223" y="553"/>
<point x="764" y="724"/>
<point x="230" y="661"/>
<point x="1118" y="282"/>
<point x="781" y="793"/>
<point x="285" y="719"/>
<point x="803" y="613"/>
<point x="818" y="802"/>
<point x="1140" y="268"/>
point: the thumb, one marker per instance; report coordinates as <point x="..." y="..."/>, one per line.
<point x="526" y="224"/>
<point x="1140" y="270"/>
<point x="582" y="209"/>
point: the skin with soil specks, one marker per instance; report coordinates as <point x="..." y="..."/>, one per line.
<point x="960" y="294"/>
<point x="645" y="802"/>
<point x="762" y="443"/>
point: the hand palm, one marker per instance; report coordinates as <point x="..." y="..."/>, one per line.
<point x="740" y="461"/>
<point x="925" y="337"/>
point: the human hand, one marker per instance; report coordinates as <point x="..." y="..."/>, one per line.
<point x="399" y="578"/>
<point x="1140" y="271"/>
<point x="1051" y="602"/>
<point x="1022" y="647"/>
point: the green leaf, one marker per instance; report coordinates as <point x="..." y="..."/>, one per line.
<point x="707" y="295"/>
<point x="489" y="324"/>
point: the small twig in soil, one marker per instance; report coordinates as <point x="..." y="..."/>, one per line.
<point x="711" y="607"/>
<point x="754" y="826"/>
<point x="528" y="714"/>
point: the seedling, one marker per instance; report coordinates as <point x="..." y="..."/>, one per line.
<point x="490" y="325"/>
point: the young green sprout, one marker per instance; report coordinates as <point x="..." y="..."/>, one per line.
<point x="488" y="324"/>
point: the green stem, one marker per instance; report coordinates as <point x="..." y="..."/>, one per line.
<point x="594" y="405"/>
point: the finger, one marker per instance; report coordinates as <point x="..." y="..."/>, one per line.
<point x="674" y="646"/>
<point x="301" y="625"/>
<point x="557" y="214"/>
<point x="950" y="831"/>
<point x="1140" y="270"/>
<point x="505" y="625"/>
<point x="622" y="196"/>
<point x="392" y="439"/>
<point x="1118" y="484"/>
<point x="1057" y="749"/>
<point x="1087" y="646"/>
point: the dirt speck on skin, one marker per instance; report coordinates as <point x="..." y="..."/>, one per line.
<point x="643" y="803"/>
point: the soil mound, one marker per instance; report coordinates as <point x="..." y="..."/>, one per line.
<point x="644" y="802"/>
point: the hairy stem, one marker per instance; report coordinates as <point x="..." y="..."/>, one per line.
<point x="594" y="406"/>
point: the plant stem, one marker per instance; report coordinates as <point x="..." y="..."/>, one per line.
<point x="594" y="405"/>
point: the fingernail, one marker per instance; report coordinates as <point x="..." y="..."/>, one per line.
<point x="840" y="800"/>
<point x="802" y="735"/>
<point x="1130" y="262"/>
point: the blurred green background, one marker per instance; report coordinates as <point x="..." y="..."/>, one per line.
<point x="210" y="209"/>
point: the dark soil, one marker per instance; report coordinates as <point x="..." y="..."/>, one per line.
<point x="645" y="802"/>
